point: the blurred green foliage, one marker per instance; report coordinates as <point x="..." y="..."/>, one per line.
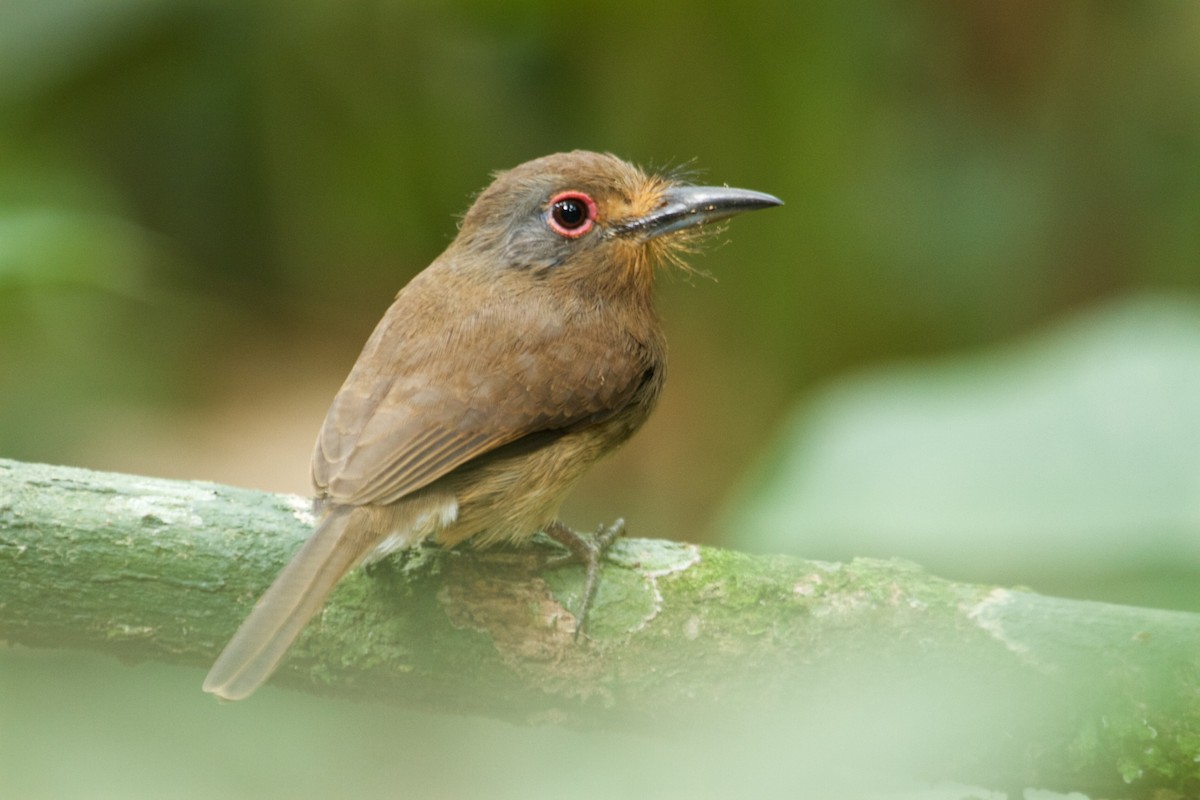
<point x="1069" y="462"/>
<point x="183" y="182"/>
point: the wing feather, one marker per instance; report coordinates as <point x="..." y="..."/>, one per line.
<point x="437" y="386"/>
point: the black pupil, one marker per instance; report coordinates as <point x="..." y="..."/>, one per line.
<point x="570" y="213"/>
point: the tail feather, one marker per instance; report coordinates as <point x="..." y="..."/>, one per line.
<point x="338" y="544"/>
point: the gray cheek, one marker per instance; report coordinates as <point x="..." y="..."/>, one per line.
<point x="535" y="250"/>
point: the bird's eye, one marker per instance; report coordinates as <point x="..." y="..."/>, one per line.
<point x="572" y="214"/>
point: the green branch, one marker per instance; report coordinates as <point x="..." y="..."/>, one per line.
<point x="975" y="683"/>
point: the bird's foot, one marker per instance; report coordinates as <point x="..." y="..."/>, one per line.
<point x="588" y="550"/>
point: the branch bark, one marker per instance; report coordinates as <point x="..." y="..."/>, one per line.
<point x="993" y="686"/>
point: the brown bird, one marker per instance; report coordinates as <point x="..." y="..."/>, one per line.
<point x="525" y="352"/>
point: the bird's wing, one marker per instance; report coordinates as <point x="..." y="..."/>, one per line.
<point x="429" y="394"/>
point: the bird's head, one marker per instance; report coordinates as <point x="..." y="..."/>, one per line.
<point x="592" y="217"/>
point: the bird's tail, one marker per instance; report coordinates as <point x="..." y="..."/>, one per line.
<point x="338" y="544"/>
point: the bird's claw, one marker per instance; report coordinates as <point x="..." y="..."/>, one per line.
<point x="588" y="550"/>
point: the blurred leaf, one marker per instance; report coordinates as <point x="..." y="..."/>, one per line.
<point x="42" y="247"/>
<point x="44" y="41"/>
<point x="1076" y="453"/>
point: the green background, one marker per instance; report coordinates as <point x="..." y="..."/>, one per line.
<point x="969" y="338"/>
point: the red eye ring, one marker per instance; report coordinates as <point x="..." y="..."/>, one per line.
<point x="572" y="214"/>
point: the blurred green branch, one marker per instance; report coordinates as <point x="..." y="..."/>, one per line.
<point x="997" y="687"/>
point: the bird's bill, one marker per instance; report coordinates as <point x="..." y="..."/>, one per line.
<point x="689" y="206"/>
